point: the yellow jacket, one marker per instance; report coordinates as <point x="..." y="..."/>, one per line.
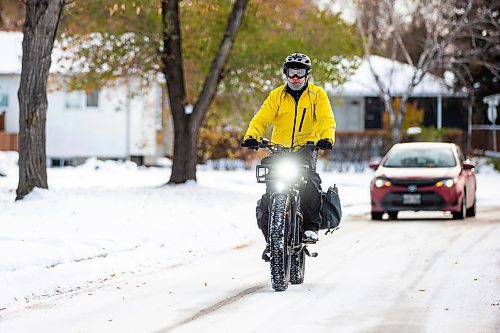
<point x="310" y="119"/>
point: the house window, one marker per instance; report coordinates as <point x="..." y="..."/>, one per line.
<point x="4" y="99"/>
<point x="374" y="110"/>
<point x="4" y="95"/>
<point x="80" y="99"/>
<point x="93" y="98"/>
<point x="73" y="100"/>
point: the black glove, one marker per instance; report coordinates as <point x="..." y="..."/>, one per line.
<point x="324" y="144"/>
<point x="250" y="143"/>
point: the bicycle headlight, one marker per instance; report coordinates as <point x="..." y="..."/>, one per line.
<point x="287" y="170"/>
<point x="280" y="187"/>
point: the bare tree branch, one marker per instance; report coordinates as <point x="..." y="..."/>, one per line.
<point x="456" y="36"/>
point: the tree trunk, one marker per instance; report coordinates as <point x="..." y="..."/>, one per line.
<point x="40" y="28"/>
<point x="401" y="115"/>
<point x="185" y="140"/>
<point x="187" y="125"/>
<point x="396" y="134"/>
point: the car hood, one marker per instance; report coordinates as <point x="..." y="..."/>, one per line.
<point x="417" y="173"/>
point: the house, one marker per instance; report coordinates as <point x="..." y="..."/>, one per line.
<point x="358" y="107"/>
<point x="119" y="122"/>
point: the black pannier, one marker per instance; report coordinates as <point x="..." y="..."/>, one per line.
<point x="331" y="211"/>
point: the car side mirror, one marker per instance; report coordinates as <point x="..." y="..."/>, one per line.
<point x="374" y="165"/>
<point x="468" y="165"/>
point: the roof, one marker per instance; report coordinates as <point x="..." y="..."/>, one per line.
<point x="393" y="74"/>
<point x="12" y="51"/>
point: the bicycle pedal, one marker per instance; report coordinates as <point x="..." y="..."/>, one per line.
<point x="310" y="254"/>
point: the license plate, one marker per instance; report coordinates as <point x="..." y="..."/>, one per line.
<point x="412" y="199"/>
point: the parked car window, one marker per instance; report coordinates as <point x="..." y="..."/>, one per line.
<point x="421" y="158"/>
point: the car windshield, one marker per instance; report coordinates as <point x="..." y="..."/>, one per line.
<point x="420" y="158"/>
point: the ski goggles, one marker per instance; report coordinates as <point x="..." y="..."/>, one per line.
<point x="292" y="72"/>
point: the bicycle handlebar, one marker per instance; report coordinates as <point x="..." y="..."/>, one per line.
<point x="277" y="147"/>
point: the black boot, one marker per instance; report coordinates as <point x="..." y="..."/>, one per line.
<point x="266" y="255"/>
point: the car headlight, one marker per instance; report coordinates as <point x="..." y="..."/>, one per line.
<point x="381" y="182"/>
<point x="449" y="182"/>
<point x="287" y="170"/>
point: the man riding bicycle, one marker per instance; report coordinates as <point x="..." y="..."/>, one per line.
<point x="299" y="112"/>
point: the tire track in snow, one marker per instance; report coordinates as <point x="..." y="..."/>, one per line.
<point x="216" y="306"/>
<point x="410" y="312"/>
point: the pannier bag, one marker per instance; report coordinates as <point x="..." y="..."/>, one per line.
<point x="331" y="211"/>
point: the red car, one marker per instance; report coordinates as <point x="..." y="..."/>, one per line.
<point x="420" y="176"/>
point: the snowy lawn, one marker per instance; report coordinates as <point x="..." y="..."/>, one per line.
<point x="106" y="220"/>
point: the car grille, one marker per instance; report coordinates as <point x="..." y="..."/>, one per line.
<point x="417" y="182"/>
<point x="430" y="201"/>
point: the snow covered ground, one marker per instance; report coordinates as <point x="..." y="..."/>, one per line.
<point x="107" y="220"/>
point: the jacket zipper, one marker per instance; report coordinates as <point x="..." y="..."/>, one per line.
<point x="302" y="119"/>
<point x="294" y="123"/>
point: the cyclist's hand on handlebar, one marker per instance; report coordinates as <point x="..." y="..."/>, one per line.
<point x="250" y="143"/>
<point x="324" y="144"/>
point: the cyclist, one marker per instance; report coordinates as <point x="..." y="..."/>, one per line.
<point x="299" y="112"/>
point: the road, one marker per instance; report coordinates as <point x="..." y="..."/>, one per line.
<point x="421" y="273"/>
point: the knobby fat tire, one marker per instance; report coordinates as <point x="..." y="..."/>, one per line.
<point x="279" y="235"/>
<point x="298" y="267"/>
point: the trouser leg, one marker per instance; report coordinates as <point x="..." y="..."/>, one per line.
<point x="310" y="202"/>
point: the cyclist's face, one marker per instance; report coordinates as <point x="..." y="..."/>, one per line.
<point x="295" y="81"/>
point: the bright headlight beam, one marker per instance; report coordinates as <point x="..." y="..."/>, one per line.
<point x="287" y="170"/>
<point x="449" y="182"/>
<point x="446" y="182"/>
<point x="379" y="182"/>
<point x="280" y="186"/>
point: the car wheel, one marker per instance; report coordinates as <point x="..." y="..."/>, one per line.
<point x="393" y="215"/>
<point x="460" y="215"/>
<point x="472" y="210"/>
<point x="377" y="216"/>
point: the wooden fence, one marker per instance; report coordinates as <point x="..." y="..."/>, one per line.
<point x="8" y="142"/>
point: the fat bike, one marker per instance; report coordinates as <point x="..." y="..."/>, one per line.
<point x="285" y="175"/>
